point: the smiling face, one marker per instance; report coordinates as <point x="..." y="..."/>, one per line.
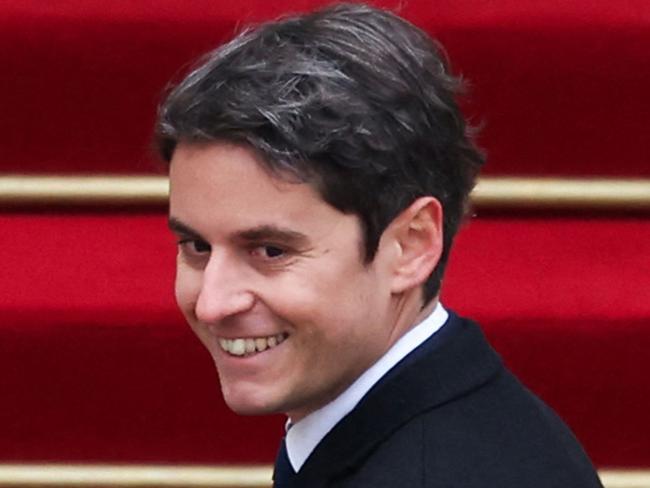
<point x="272" y="281"/>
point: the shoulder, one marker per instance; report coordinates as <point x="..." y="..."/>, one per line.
<point x="499" y="435"/>
<point x="503" y="434"/>
<point x="494" y="433"/>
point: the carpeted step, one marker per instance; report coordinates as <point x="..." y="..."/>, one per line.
<point x="96" y="363"/>
<point x="560" y="87"/>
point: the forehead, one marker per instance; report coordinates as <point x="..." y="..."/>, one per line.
<point x="222" y="162"/>
<point x="221" y="186"/>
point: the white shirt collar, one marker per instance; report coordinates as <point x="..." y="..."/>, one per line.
<point x="303" y="436"/>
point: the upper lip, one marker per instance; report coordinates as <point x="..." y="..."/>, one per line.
<point x="251" y="336"/>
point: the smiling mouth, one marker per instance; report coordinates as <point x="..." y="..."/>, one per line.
<point x="251" y="345"/>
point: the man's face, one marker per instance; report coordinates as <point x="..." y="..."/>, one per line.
<point x="272" y="281"/>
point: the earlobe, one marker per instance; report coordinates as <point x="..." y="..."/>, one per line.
<point x="418" y="233"/>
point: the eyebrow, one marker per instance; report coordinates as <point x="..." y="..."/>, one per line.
<point x="274" y="234"/>
<point x="178" y="227"/>
<point x="271" y="233"/>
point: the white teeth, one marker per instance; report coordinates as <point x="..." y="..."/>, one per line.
<point x="238" y="347"/>
<point x="249" y="346"/>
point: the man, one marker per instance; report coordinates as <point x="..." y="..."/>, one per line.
<point x="319" y="169"/>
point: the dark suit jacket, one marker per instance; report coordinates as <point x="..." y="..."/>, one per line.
<point x="449" y="415"/>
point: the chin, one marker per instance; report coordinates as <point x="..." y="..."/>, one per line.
<point x="249" y="404"/>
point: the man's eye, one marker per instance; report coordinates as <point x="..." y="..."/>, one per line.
<point x="268" y="252"/>
<point x="193" y="246"/>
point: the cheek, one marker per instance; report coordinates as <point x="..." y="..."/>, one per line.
<point x="325" y="300"/>
<point x="186" y="289"/>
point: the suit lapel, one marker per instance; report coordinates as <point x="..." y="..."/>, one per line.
<point x="454" y="361"/>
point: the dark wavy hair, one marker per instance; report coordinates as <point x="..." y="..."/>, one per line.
<point x="351" y="99"/>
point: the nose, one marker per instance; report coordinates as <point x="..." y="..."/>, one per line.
<point x="225" y="290"/>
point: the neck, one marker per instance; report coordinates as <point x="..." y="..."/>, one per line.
<point x="409" y="313"/>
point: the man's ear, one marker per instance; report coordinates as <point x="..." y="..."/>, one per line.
<point x="417" y="233"/>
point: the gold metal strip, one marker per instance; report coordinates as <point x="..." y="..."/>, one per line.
<point x="573" y="193"/>
<point x="80" y="190"/>
<point x="191" y="476"/>
<point x="491" y="192"/>
<point x="620" y="478"/>
<point x="123" y="476"/>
